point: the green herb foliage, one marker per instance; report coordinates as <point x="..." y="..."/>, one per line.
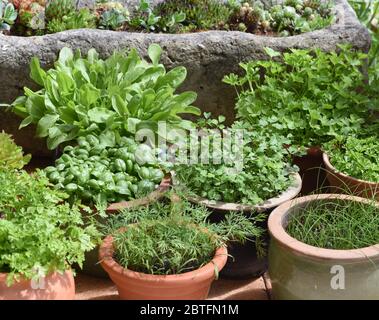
<point x="331" y="224"/>
<point x="89" y="95"/>
<point x="264" y="173"/>
<point x="166" y="238"/>
<point x="11" y="155"/>
<point x="102" y="170"/>
<point x="308" y="96"/>
<point x="368" y="14"/>
<point x="39" y="232"/>
<point x="356" y="157"/>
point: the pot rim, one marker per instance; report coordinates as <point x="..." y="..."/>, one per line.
<point x="106" y="253"/>
<point x="4" y="275"/>
<point x="286" y="195"/>
<point x="278" y="233"/>
<point x="333" y="170"/>
<point x="152" y="197"/>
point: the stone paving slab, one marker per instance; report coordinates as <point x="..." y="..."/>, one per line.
<point x="91" y="288"/>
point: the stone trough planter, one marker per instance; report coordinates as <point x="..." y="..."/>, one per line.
<point x="208" y="56"/>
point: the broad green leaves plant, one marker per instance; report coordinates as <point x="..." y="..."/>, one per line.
<point x="11" y="155"/>
<point x="356" y="157"/>
<point x="39" y="233"/>
<point x="173" y="238"/>
<point x="123" y="93"/>
<point x="309" y="96"/>
<point x="103" y="170"/>
<point x="264" y="173"/>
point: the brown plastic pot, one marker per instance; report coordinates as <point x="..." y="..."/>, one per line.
<point x="311" y="170"/>
<point x="302" y="272"/>
<point x="56" y="286"/>
<point x="340" y="182"/>
<point x="91" y="265"/>
<point x="133" y="285"/>
<point x="244" y="261"/>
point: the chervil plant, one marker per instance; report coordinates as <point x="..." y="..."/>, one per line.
<point x="356" y="157"/>
<point x="265" y="171"/>
<point x="39" y="232"/>
<point x="123" y="93"/>
<point x="309" y="96"/>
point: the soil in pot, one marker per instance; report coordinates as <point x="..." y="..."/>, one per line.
<point x="338" y="255"/>
<point x="55" y="286"/>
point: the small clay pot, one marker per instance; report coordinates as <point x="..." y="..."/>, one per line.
<point x="55" y="286"/>
<point x="342" y="183"/>
<point x="91" y="264"/>
<point x="299" y="271"/>
<point x="133" y="285"/>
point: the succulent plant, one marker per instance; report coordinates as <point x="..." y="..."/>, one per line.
<point x="8" y="15"/>
<point x="57" y="9"/>
<point x="32" y="14"/>
<point x="112" y="15"/>
<point x="11" y="155"/>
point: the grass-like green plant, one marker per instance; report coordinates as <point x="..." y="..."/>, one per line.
<point x="173" y="238"/>
<point x="308" y="96"/>
<point x="336" y="224"/>
<point x="249" y="171"/>
<point x="11" y="155"/>
<point x="39" y="232"/>
<point x="356" y="157"/>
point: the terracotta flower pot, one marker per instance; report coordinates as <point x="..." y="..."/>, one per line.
<point x="340" y="182"/>
<point x="132" y="285"/>
<point x="91" y="265"/>
<point x="55" y="286"/>
<point x="300" y="271"/>
<point x="244" y="261"/>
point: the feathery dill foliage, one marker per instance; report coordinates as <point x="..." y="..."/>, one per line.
<point x="336" y="224"/>
<point x="173" y="238"/>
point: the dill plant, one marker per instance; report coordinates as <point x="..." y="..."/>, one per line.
<point x="175" y="237"/>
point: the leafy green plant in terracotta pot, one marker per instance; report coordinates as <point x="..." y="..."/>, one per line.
<point x="256" y="176"/>
<point x="309" y="96"/>
<point x="41" y="237"/>
<point x="352" y="165"/>
<point x="167" y="250"/>
<point x="325" y="247"/>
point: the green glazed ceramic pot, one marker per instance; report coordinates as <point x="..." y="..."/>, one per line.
<point x="300" y="271"/>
